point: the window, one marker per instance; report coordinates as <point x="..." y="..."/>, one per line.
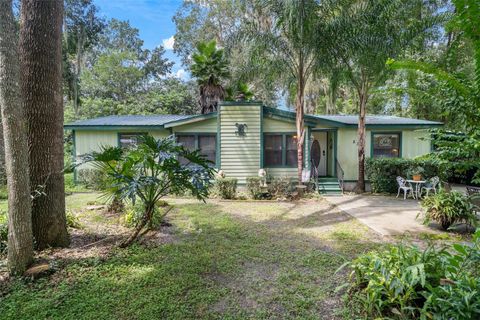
<point x="273" y="150"/>
<point x="386" y="145"/>
<point x="206" y="143"/>
<point x="291" y="151"/>
<point x="127" y="140"/>
<point x="207" y="146"/>
<point x="280" y="150"/>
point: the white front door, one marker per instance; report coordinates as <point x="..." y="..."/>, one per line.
<point x="322" y="139"/>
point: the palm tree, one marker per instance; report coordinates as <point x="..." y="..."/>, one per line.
<point x="288" y="48"/>
<point x="210" y="68"/>
<point x="365" y="34"/>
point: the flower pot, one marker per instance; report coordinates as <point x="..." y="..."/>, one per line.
<point x="417" y="177"/>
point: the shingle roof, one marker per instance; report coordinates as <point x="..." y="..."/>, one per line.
<point x="377" y="120"/>
<point x="129" y="120"/>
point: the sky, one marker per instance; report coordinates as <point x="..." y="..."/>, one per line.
<point x="153" y="18"/>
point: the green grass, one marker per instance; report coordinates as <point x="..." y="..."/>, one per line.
<point x="70" y="185"/>
<point x="270" y="264"/>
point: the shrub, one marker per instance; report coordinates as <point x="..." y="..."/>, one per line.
<point x="226" y="187"/>
<point x="280" y="187"/>
<point x="255" y="189"/>
<point x="404" y="282"/>
<point x="381" y="172"/>
<point x="73" y="221"/>
<point x="134" y="213"/>
<point x="92" y="178"/>
<point x="390" y="282"/>
<point x="448" y="208"/>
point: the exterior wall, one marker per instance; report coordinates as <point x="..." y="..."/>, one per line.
<point x="88" y="141"/>
<point x="272" y="125"/>
<point x="240" y="156"/>
<point x="209" y="125"/>
<point x="412" y="146"/>
<point x="347" y="152"/>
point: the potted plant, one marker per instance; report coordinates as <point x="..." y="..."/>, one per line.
<point x="416" y="173"/>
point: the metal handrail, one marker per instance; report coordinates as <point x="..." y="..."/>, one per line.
<point x="340" y="174"/>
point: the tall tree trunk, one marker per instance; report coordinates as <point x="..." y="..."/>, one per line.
<point x="20" y="240"/>
<point x="362" y="101"/>
<point x="3" y="173"/>
<point x="300" y="124"/>
<point x="41" y="80"/>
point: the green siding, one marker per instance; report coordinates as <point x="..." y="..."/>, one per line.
<point x="412" y="146"/>
<point x="240" y="156"/>
<point x="209" y="125"/>
<point x="282" y="172"/>
<point x="88" y="141"/>
<point x="272" y="125"/>
<point x="415" y="143"/>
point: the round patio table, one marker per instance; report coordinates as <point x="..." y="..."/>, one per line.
<point x="417" y="188"/>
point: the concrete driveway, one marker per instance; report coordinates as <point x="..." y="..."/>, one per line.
<point x="386" y="215"/>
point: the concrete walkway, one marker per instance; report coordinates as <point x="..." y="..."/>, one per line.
<point x="386" y="215"/>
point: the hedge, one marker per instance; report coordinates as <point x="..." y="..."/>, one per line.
<point x="382" y="172"/>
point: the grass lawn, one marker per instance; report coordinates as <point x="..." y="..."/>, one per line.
<point x="224" y="260"/>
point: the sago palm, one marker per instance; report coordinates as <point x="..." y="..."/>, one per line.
<point x="210" y="68"/>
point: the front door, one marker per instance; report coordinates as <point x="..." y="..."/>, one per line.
<point x="322" y="140"/>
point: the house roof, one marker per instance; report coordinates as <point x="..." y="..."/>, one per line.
<point x="376" y="120"/>
<point x="170" y="120"/>
<point x="127" y="121"/>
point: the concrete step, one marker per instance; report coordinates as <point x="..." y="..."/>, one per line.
<point x="329" y="186"/>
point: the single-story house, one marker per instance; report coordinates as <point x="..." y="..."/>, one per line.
<point x="243" y="137"/>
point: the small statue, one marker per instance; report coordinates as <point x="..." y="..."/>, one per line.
<point x="221" y="174"/>
<point x="262" y="173"/>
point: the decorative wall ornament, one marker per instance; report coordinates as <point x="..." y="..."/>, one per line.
<point x="241" y="129"/>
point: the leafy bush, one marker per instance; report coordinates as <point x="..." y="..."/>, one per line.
<point x="73" y="221"/>
<point x="226" y="187"/>
<point x="404" y="282"/>
<point x="448" y="208"/>
<point x="3" y="193"/>
<point x="280" y="187"/>
<point x="92" y="178"/>
<point x="134" y="213"/>
<point x="390" y="282"/>
<point x="381" y="172"/>
<point x="255" y="189"/>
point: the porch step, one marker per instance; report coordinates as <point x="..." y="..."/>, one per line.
<point x="329" y="187"/>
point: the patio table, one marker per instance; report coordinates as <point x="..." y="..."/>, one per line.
<point x="417" y="187"/>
